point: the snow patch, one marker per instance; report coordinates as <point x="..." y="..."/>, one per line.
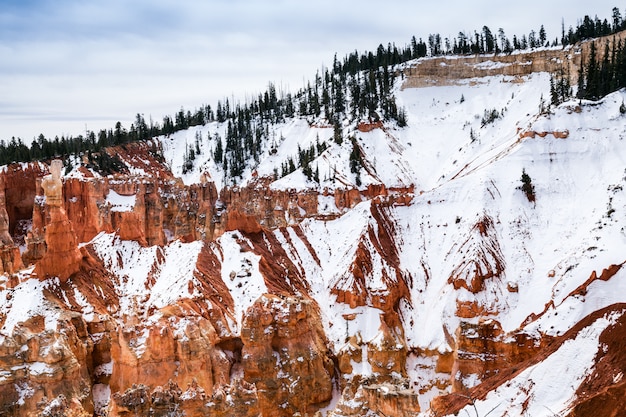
<point x="26" y="301"/>
<point x="148" y="276"/>
<point x="240" y="273"/>
<point x="120" y="202"/>
<point x="101" y="396"/>
<point x="551" y="383"/>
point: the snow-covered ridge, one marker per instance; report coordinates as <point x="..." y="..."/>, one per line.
<point x="463" y="178"/>
<point x="468" y="259"/>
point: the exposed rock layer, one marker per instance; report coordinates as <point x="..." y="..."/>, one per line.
<point x="202" y="354"/>
<point x="452" y="70"/>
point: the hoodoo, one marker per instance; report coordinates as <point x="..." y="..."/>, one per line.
<point x="62" y="257"/>
<point x="366" y="247"/>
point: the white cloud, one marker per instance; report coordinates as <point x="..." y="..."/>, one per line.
<point x="67" y="63"/>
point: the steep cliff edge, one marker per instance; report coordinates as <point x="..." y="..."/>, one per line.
<point x="458" y="69"/>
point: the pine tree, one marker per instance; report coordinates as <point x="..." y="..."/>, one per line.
<point x="337" y="134"/>
<point x="472" y="135"/>
<point x="542" y="36"/>
<point x="592" y="85"/>
<point x="402" y="119"/>
<point x="605" y="76"/>
<point x="580" y="93"/>
<point x="188" y="159"/>
<point x="218" y="153"/>
<point x="490" y="44"/>
<point x="339" y="100"/>
<point x="554" y="98"/>
<point x="120" y="135"/>
<point x="617" y="20"/>
<point x="356" y="161"/>
<point x="527" y="186"/>
<point x="505" y="44"/>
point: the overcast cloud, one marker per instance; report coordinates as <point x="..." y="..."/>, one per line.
<point x="70" y="64"/>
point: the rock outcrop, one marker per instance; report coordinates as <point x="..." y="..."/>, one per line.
<point x="363" y="396"/>
<point x="452" y="70"/>
<point x="62" y="258"/>
<point x="46" y="369"/>
<point x="285" y="356"/>
<point x="153" y="207"/>
<point x="483" y="349"/>
<point x="153" y="297"/>
<point x="10" y="258"/>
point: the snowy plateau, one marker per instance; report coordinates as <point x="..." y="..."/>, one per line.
<point x="425" y="284"/>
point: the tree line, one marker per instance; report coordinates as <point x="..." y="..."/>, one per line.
<point x="43" y="148"/>
<point x="590" y="28"/>
<point x="358" y="87"/>
<point x="599" y="77"/>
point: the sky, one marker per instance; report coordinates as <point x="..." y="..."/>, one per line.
<point x="71" y="65"/>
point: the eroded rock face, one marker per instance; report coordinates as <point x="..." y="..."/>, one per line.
<point x="62" y="258"/>
<point x="10" y="259"/>
<point x="483" y="349"/>
<point x="387" y="354"/>
<point x="91" y="353"/>
<point x="190" y="356"/>
<point x="479" y="259"/>
<point x="442" y="71"/>
<point x="284" y="365"/>
<point x="603" y="391"/>
<point x="46" y="369"/>
<point x="20" y="186"/>
<point x="148" y="209"/>
<point x="363" y="396"/>
<point x="156" y="207"/>
<point x="183" y="350"/>
<point x="238" y="400"/>
<point x="285" y="356"/>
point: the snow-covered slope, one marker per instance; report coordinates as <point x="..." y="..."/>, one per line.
<point x="469" y="216"/>
<point x="460" y="179"/>
<point x="435" y="145"/>
<point x="424" y="277"/>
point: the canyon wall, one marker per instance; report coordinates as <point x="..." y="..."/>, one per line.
<point x="154" y="208"/>
<point x="444" y="70"/>
<point x="153" y="297"/>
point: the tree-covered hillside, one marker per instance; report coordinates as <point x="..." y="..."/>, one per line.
<point x="358" y="87"/>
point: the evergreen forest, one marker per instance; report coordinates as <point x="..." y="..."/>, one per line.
<point x="358" y="87"/>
